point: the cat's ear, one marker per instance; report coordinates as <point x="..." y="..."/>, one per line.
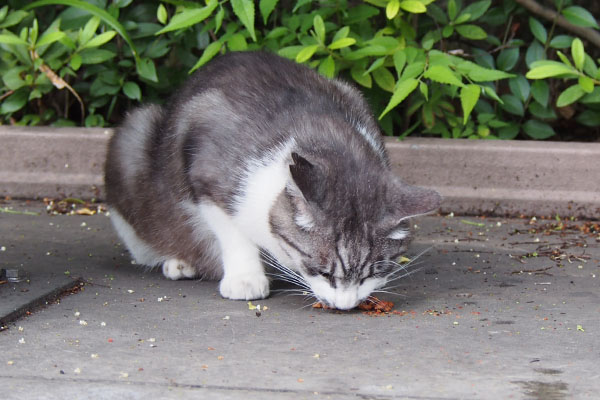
<point x="409" y="201"/>
<point x="309" y="179"/>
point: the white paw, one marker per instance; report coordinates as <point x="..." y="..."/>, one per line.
<point x="244" y="287"/>
<point x="177" y="269"/>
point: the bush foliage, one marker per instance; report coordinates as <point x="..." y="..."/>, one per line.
<point x="449" y="68"/>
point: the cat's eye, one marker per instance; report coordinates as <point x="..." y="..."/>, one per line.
<point x="325" y="275"/>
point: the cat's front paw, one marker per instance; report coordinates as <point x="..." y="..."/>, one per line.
<point x="244" y="287"/>
<point x="177" y="269"/>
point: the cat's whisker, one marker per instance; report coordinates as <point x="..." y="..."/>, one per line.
<point x="388" y="292"/>
<point x="386" y="287"/>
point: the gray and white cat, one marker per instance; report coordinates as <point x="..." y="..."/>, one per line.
<point x="257" y="155"/>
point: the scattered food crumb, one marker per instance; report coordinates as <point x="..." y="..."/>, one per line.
<point x="102" y="323"/>
<point x="226" y="317"/>
<point x="10" y="362"/>
<point x="22" y="341"/>
<point x="316" y="355"/>
<point x="77" y="370"/>
<point x="130" y="291"/>
<point x="220" y="357"/>
<point x="20" y="329"/>
<point x="123" y="375"/>
<point x="83" y="322"/>
<point x="94" y="355"/>
<point x="580" y="328"/>
<point x="77" y="313"/>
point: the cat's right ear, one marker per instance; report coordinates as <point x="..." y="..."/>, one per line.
<point x="309" y="179"/>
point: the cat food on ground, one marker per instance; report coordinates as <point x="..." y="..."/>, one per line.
<point x="372" y="305"/>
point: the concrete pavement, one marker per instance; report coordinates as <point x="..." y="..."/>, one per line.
<point x="501" y="308"/>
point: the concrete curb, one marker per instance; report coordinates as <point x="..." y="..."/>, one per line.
<point x="475" y="177"/>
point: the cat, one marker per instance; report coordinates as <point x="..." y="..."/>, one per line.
<point x="259" y="159"/>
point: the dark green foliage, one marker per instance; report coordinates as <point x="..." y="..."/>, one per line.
<point x="449" y="68"/>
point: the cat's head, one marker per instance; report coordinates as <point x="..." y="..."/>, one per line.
<point x="342" y="226"/>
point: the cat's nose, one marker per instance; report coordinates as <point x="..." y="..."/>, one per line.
<point x="346" y="300"/>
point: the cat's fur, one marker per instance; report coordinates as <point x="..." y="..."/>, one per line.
<point x="257" y="154"/>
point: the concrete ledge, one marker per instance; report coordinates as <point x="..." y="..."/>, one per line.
<point x="475" y="177"/>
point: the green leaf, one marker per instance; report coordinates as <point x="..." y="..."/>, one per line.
<point x="376" y="64"/>
<point x="519" y="86"/>
<point x="507" y="59"/>
<point x="413" y="6"/>
<point x="12" y="78"/>
<point x="327" y="67"/>
<point x="540" y="92"/>
<point x="541" y="112"/>
<point x="549" y="69"/>
<point x="92" y="9"/>
<point x="319" y="28"/>
<point x="100" y="39"/>
<point x="342" y="33"/>
<point x="476" y="9"/>
<point x="266" y="7"/>
<point x="385" y="79"/>
<point x="341" y="43"/>
<point x="570" y="95"/>
<point x="237" y="42"/>
<point x="510" y="132"/>
<point x="586" y="83"/>
<point x="219" y="18"/>
<point x="580" y="16"/>
<point x="441" y="74"/>
<point x="132" y="90"/>
<point x="512" y="104"/>
<point x="480" y="74"/>
<point x="188" y="17"/>
<point x="146" y="69"/>
<point x="209" y="53"/>
<point x="401" y="92"/>
<point x="306" y="53"/>
<point x="13" y="18"/>
<point x="589" y="118"/>
<point x="472" y="32"/>
<point x="15" y="101"/>
<point x="358" y="74"/>
<point x="537" y="129"/>
<point x="535" y="52"/>
<point x="10" y="38"/>
<point x="75" y="62"/>
<point x="399" y="61"/>
<point x="589" y="66"/>
<point x="424" y="89"/>
<point x="469" y="95"/>
<point x="591" y="98"/>
<point x="161" y="14"/>
<point x="561" y="41"/>
<point x="392" y="8"/>
<point x="538" y="30"/>
<point x="244" y="10"/>
<point x="50" y="37"/>
<point x="96" y="56"/>
<point x="413" y="70"/>
<point x="290" y="52"/>
<point x="452" y="9"/>
<point x="578" y="53"/>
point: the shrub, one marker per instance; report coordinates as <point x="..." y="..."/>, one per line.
<point x="445" y="68"/>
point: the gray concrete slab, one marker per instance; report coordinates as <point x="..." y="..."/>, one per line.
<point x="501" y="308"/>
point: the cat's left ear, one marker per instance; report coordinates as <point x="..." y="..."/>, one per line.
<point x="409" y="201"/>
<point x="309" y="179"/>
